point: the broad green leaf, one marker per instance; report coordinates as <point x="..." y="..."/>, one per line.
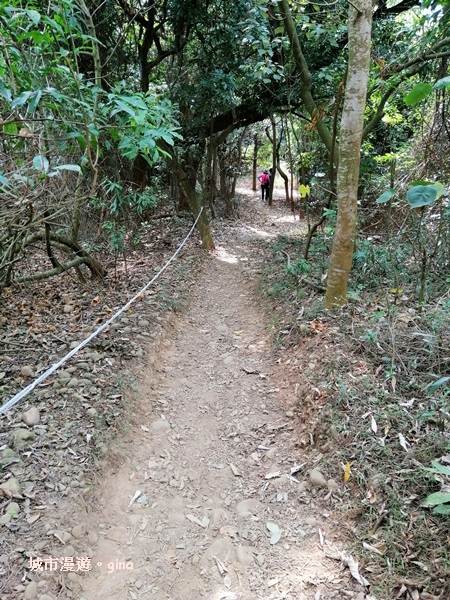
<point x="419" y="92"/>
<point x="93" y="130"/>
<point x="441" y="468"/>
<point x="75" y="168"/>
<point x="435" y="385"/>
<point x="35" y="101"/>
<point x="443" y="509"/>
<point x="40" y="163"/>
<point x="34" y="16"/>
<point x="442" y="84"/>
<point x="122" y="107"/>
<point x="436" y="184"/>
<point x="20" y="100"/>
<point x="385" y="196"/>
<point x="5" y="92"/>
<point x="421" y="195"/>
<point x="436" y="498"/>
<point x="3" y="180"/>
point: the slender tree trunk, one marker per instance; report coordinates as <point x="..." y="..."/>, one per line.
<point x="207" y="177"/>
<point x="274" y="158"/>
<point x="303" y="71"/>
<point x="212" y="196"/>
<point x="255" y="163"/>
<point x="188" y="188"/>
<point x="352" y="123"/>
<point x="291" y="166"/>
<point x="284" y="177"/>
<point x="238" y="165"/>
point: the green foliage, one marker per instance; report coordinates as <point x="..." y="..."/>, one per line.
<point x="60" y="129"/>
<point x="298" y="267"/>
<point x="419" y="92"/>
<point x="138" y="121"/>
<point x="385" y="196"/>
<point x="424" y="193"/>
<point x="116" y="236"/>
<point x="439" y="501"/>
<point x="435" y="385"/>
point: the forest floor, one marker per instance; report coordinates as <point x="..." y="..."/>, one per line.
<point x="185" y="455"/>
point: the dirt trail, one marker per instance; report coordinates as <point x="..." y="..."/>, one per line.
<point x="212" y="426"/>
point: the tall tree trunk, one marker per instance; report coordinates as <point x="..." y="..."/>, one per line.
<point x="195" y="204"/>
<point x="212" y="196"/>
<point x="274" y="158"/>
<point x="291" y="165"/>
<point x="238" y="165"/>
<point x="207" y="176"/>
<point x="284" y="177"/>
<point x="352" y="123"/>
<point x="303" y="71"/>
<point x="255" y="163"/>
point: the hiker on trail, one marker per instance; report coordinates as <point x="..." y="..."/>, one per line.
<point x="264" y="180"/>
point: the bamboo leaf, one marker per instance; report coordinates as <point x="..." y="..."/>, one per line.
<point x="436" y="499"/>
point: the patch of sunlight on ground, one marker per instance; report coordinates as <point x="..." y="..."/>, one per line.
<point x="222" y="254"/>
<point x="260" y="233"/>
<point x="286" y="219"/>
<point x="246" y="190"/>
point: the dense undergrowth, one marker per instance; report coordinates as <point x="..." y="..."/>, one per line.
<point x="373" y="396"/>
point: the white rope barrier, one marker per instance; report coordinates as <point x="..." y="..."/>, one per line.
<point x="15" y="399"/>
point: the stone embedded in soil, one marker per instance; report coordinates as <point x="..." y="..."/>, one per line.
<point x="11" y="487"/>
<point x="92" y="538"/>
<point x="13" y="509"/>
<point x="249" y="507"/>
<point x="31" y="591"/>
<point x="64" y="375"/>
<point x="244" y="555"/>
<point x="91" y="412"/>
<point x="62" y="536"/>
<point x="222" y="548"/>
<point x="317" y="478"/>
<point x="160" y="426"/>
<point x="69" y="550"/>
<point x="5" y="519"/>
<point x="27" y="371"/>
<point x="78" y="531"/>
<point x="31" y="417"/>
<point x="333" y="485"/>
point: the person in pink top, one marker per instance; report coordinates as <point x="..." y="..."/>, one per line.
<point x="264" y="180"/>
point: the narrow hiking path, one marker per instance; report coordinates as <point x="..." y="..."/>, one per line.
<point x="203" y="505"/>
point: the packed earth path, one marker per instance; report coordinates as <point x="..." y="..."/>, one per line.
<point x="213" y="499"/>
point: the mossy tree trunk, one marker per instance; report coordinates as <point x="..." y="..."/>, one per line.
<point x="255" y="163"/>
<point x="185" y="184"/>
<point x="352" y="123"/>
